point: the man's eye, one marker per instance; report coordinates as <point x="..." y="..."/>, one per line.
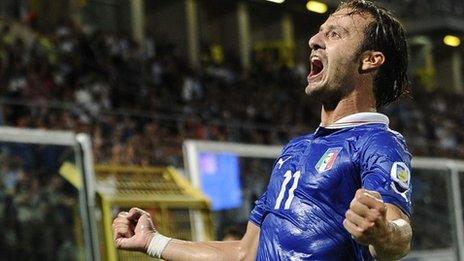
<point x="333" y="34"/>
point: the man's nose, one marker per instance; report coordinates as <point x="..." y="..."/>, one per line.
<point x="316" y="42"/>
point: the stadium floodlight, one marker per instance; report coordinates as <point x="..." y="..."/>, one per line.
<point x="451" y="40"/>
<point x="276" y="1"/>
<point x="317" y="7"/>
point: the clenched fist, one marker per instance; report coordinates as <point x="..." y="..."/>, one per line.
<point x="366" y="219"/>
<point x="133" y="230"/>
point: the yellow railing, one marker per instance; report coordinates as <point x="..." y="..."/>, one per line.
<point x="164" y="192"/>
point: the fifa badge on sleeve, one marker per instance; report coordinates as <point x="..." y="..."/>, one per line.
<point x="401" y="177"/>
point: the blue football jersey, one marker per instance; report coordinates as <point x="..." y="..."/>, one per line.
<point x="313" y="181"/>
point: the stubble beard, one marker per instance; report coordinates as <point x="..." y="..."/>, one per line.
<point x="329" y="94"/>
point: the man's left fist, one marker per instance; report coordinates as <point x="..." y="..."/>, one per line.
<point x="366" y="219"/>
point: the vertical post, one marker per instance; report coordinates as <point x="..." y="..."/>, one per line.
<point x="457" y="211"/>
<point x="190" y="153"/>
<point x="243" y="18"/>
<point x="428" y="55"/>
<point x="75" y="10"/>
<point x="456" y="70"/>
<point x="287" y="29"/>
<point x="422" y="63"/>
<point x="191" y="164"/>
<point x="111" y="251"/>
<point x="288" y="38"/>
<point x="191" y="11"/>
<point x="21" y="6"/>
<point x="448" y="64"/>
<point x="137" y="20"/>
<point x="85" y="160"/>
<point x="3" y="8"/>
<point x="429" y="66"/>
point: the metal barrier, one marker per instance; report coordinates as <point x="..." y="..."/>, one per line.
<point x="437" y="220"/>
<point x="178" y="210"/>
<point x="45" y="159"/>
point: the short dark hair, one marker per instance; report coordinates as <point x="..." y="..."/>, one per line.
<point x="385" y="34"/>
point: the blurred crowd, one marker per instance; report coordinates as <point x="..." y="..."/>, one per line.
<point x="140" y="102"/>
<point x="139" y="105"/>
<point x="430" y="122"/>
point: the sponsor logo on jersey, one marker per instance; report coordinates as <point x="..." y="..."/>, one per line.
<point x="327" y="160"/>
<point x="401" y="176"/>
<point x="282" y="161"/>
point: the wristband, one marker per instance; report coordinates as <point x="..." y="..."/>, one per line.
<point x="157" y="244"/>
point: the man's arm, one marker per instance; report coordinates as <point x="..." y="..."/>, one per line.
<point x="134" y="230"/>
<point x="244" y="249"/>
<point x="382" y="226"/>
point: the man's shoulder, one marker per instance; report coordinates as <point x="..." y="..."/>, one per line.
<point x="298" y="142"/>
<point x="379" y="133"/>
<point x="387" y="136"/>
<point x="383" y="140"/>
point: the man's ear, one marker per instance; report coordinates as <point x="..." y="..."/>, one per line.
<point x="371" y="60"/>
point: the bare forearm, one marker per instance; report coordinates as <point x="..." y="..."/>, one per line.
<point x="396" y="243"/>
<point x="245" y="249"/>
<point x="145" y="238"/>
<point x="178" y="250"/>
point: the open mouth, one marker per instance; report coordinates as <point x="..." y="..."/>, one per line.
<point x="316" y="68"/>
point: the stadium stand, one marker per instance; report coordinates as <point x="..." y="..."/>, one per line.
<point x="106" y="85"/>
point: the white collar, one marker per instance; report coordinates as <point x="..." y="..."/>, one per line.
<point x="359" y="119"/>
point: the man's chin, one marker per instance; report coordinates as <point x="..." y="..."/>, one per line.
<point x="323" y="94"/>
<point x="320" y="93"/>
<point x="313" y="88"/>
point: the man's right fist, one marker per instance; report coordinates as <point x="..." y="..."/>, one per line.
<point x="133" y="230"/>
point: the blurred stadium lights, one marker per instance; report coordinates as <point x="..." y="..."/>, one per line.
<point x="276" y="1"/>
<point x="317" y="7"/>
<point x="451" y="40"/>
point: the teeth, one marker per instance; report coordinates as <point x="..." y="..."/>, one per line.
<point x="316" y="66"/>
<point x="314" y="57"/>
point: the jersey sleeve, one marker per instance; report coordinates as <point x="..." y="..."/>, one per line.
<point x="385" y="168"/>
<point x="258" y="212"/>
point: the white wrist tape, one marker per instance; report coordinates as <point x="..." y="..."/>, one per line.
<point x="157" y="244"/>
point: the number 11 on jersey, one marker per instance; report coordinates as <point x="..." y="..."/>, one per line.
<point x="288" y="176"/>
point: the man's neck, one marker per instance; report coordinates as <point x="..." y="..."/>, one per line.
<point x="347" y="106"/>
